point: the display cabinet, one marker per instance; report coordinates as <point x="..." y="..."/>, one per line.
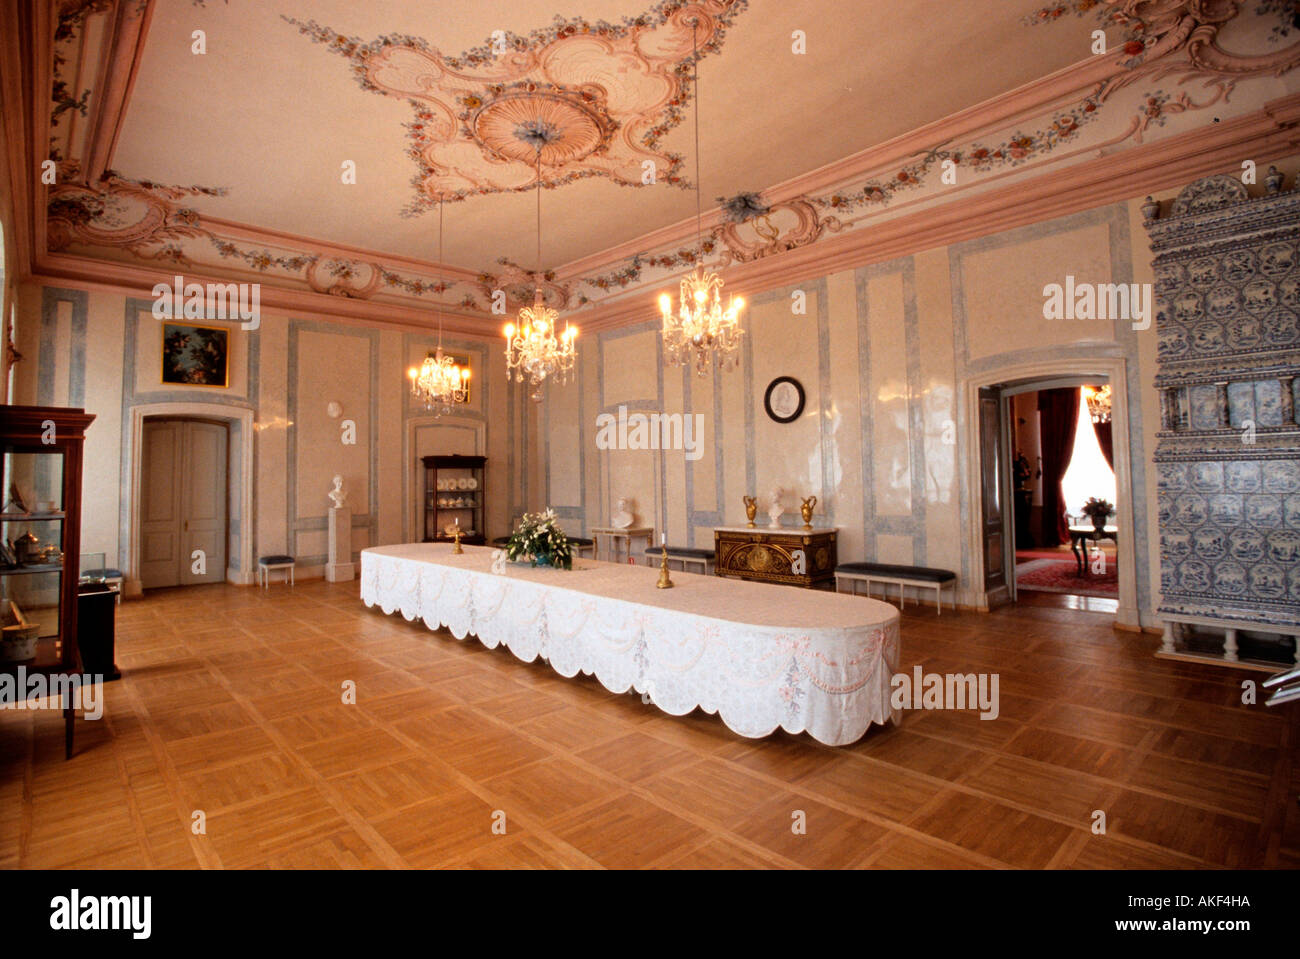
<point x="454" y="494"/>
<point x="40" y="526"/>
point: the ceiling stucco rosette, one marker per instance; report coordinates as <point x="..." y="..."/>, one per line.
<point x="603" y="94"/>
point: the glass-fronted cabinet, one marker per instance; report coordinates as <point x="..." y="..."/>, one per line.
<point x="454" y="491"/>
<point x="40" y="539"/>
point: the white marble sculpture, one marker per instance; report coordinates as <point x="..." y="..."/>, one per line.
<point x="775" y="510"/>
<point x="338" y="495"/>
<point x="623" y="515"/>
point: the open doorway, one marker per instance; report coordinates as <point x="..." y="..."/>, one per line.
<point x="184" y="491"/>
<point x="1064" y="494"/>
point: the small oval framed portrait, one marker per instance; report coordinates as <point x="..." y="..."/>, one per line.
<point x="784" y="399"/>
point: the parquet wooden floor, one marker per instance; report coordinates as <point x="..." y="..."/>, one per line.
<point x="231" y="704"/>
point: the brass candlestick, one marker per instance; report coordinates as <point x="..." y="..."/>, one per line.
<point x="665" y="582"/>
<point x="456" y="535"/>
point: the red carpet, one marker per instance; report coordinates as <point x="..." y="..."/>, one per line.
<point x="1056" y="575"/>
<point x="1063" y="552"/>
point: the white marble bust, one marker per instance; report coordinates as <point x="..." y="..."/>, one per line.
<point x="623" y="515"/>
<point x="338" y="495"/>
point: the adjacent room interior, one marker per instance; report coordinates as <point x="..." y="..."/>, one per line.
<point x="470" y="435"/>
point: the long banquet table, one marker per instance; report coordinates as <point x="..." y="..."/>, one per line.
<point x="760" y="656"/>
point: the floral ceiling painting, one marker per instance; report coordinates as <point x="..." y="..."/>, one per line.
<point x="583" y="99"/>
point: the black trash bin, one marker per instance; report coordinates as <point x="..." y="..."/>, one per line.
<point x="96" y="629"/>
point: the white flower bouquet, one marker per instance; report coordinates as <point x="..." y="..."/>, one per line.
<point x="540" y="541"/>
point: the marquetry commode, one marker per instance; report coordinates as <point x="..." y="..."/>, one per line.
<point x="793" y="556"/>
<point x="1227" y="290"/>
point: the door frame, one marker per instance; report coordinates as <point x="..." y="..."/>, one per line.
<point x="1115" y="370"/>
<point x="202" y="411"/>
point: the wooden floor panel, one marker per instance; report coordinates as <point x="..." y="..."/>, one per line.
<point x="232" y="705"/>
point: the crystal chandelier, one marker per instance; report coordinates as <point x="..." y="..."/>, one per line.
<point x="534" y="349"/>
<point x="1098" y="398"/>
<point x="702" y="330"/>
<point x="439" y="383"/>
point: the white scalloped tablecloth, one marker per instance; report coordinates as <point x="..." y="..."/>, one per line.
<point x="758" y="655"/>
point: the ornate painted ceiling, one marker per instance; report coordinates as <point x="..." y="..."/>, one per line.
<point x="307" y="143"/>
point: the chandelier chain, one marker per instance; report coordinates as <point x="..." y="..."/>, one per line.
<point x="701" y="330"/>
<point x="695" y="89"/>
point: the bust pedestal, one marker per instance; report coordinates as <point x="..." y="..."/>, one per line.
<point x="340" y="569"/>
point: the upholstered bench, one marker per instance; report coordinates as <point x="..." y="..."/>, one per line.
<point x="921" y="577"/>
<point x="267" y="563"/>
<point x="683" y="555"/>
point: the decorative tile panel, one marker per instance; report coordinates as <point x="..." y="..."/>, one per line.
<point x="1227" y="286"/>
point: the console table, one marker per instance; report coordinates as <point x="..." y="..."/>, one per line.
<point x="619" y="547"/>
<point x="795" y="557"/>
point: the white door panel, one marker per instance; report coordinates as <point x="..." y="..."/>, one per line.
<point x="183" y="502"/>
<point x="204" y="503"/>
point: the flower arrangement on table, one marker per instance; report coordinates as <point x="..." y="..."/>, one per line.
<point x="1097" y="510"/>
<point x="540" y="541"/>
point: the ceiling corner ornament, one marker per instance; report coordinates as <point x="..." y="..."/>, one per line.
<point x="339" y="277"/>
<point x="1154" y="29"/>
<point x="608" y="93"/>
<point x="140" y="216"/>
<point x="520" y="287"/>
<point x="535" y="350"/>
<point x="702" y="332"/>
<point x="752" y="231"/>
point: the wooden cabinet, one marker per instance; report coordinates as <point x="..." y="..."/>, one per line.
<point x="40" y="482"/>
<point x="454" y="494"/>
<point x="795" y="557"/>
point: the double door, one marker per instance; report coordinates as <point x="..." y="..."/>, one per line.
<point x="183" y="495"/>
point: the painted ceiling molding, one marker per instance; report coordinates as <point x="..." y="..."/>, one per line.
<point x="1157" y="28"/>
<point x="1171" y="41"/>
<point x="1148" y="94"/>
<point x="594" y="98"/>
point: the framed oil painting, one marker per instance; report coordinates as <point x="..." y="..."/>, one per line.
<point x="195" y="355"/>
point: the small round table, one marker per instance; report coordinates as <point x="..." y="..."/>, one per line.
<point x="1080" y="534"/>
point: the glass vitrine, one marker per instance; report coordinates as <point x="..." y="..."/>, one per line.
<point x="40" y="529"/>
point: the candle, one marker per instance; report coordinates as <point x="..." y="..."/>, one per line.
<point x="663" y="539"/>
<point x="457" y="520"/>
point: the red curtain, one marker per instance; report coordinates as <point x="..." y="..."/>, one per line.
<point x="1106" y="442"/>
<point x="1058" y="416"/>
